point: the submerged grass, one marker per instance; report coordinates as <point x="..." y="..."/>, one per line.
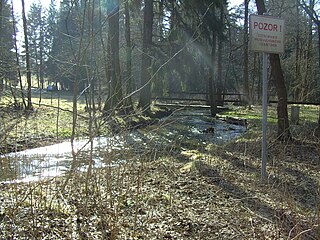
<point x="52" y="120"/>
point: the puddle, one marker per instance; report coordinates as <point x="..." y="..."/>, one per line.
<point x="55" y="160"/>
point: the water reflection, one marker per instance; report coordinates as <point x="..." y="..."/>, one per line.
<point x="55" y="160"/>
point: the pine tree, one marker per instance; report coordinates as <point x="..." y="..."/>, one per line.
<point x="36" y="35"/>
<point x="7" y="62"/>
<point x="50" y="42"/>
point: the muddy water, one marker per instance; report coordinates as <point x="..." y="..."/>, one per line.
<point x="54" y="160"/>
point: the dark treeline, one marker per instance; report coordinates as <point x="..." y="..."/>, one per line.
<point x="124" y="51"/>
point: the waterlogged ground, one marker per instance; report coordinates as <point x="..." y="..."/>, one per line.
<point x="54" y="160"/>
<point x="185" y="187"/>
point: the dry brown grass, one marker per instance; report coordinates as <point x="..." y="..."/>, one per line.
<point x="181" y="191"/>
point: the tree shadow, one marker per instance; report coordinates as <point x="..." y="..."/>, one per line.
<point x="303" y="189"/>
<point x="288" y="220"/>
<point x="247" y="198"/>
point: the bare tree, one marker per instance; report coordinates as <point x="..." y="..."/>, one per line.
<point x="309" y="9"/>
<point x="246" y="53"/>
<point x="314" y="16"/>
<point x="29" y="83"/>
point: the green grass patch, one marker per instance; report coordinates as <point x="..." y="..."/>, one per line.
<point x="308" y="113"/>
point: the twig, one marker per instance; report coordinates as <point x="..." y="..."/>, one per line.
<point x="303" y="232"/>
<point x="249" y="210"/>
<point x="62" y="109"/>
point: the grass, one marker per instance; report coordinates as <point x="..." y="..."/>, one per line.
<point x="179" y="190"/>
<point x="51" y="121"/>
<point x="308" y="115"/>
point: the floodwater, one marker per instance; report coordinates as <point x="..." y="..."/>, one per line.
<point x="54" y="160"/>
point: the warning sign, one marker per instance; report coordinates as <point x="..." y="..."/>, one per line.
<point x="266" y="34"/>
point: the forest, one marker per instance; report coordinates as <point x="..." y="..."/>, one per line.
<point x="144" y="119"/>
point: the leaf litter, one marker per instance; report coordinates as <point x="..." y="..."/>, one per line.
<point x="190" y="192"/>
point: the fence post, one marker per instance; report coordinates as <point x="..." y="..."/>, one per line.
<point x="295" y="112"/>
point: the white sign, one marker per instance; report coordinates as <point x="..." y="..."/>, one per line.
<point x="266" y="34"/>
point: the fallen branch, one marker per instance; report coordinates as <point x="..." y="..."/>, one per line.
<point x="236" y="121"/>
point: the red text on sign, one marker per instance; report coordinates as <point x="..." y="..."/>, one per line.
<point x="266" y="26"/>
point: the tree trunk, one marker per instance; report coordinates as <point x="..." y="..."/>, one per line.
<point x="145" y="94"/>
<point x="318" y="79"/>
<point x="128" y="101"/>
<point x="282" y="110"/>
<point x="159" y="81"/>
<point x="246" y="55"/>
<point x="304" y="82"/>
<point x="24" y="19"/>
<point x="219" y="63"/>
<point x="297" y="57"/>
<point x="41" y="73"/>
<point x="17" y="58"/>
<point x="211" y="84"/>
<point x="114" y="99"/>
<point x="1" y="42"/>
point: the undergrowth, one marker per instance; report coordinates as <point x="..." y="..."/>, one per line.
<point x="173" y="190"/>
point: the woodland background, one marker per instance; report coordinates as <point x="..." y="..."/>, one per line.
<point x="116" y="50"/>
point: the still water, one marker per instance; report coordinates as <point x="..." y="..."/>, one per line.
<point x="54" y="160"/>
